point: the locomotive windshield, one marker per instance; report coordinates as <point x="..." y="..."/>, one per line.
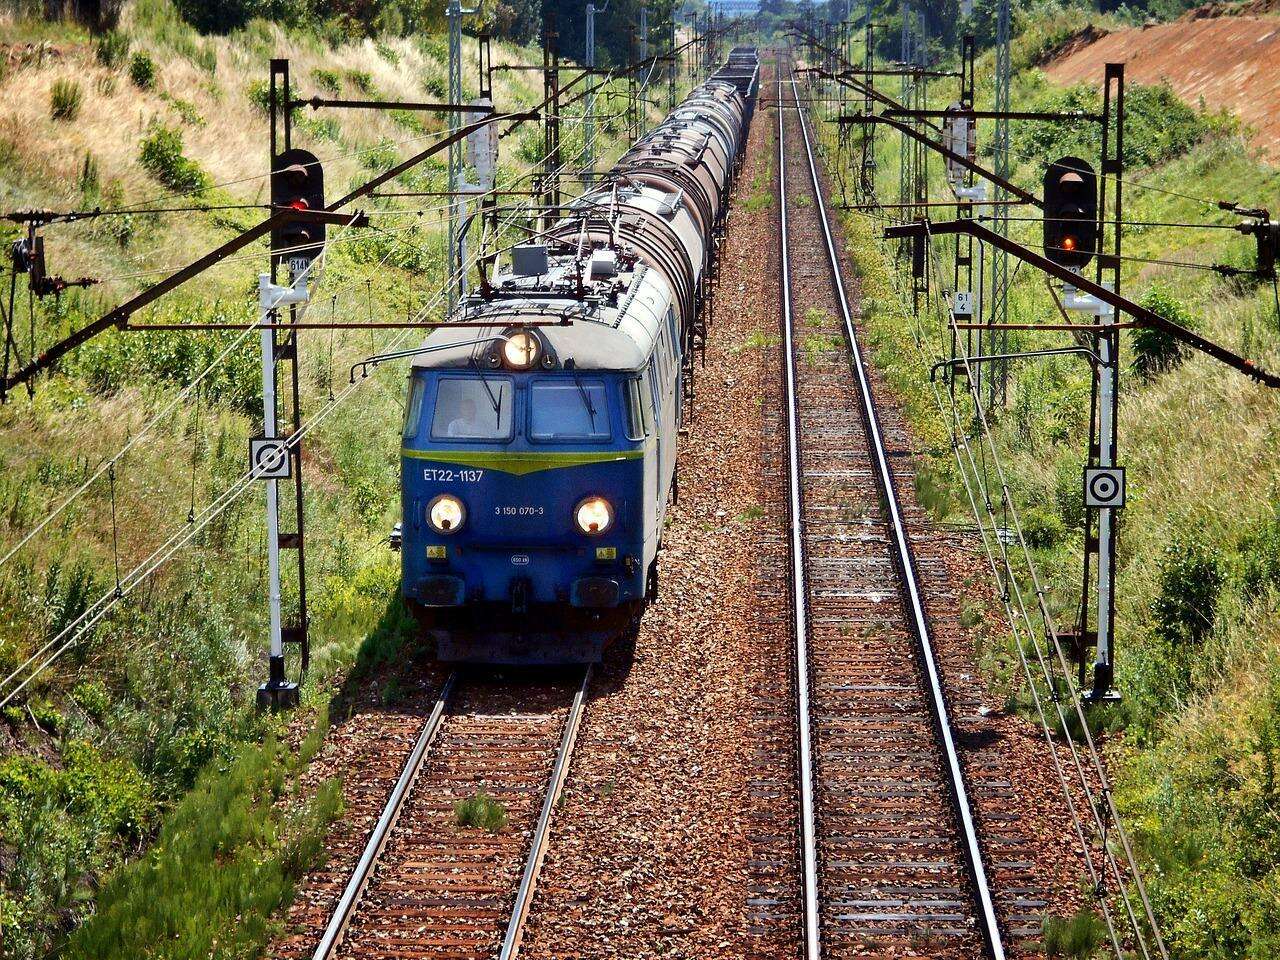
<point x="473" y="408"/>
<point x="568" y="409"/>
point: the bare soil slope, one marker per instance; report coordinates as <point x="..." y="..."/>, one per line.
<point x="1230" y="61"/>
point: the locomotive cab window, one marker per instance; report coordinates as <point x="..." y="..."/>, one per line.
<point x="638" y="425"/>
<point x="413" y="407"/>
<point x="568" y="408"/>
<point x="473" y="408"/>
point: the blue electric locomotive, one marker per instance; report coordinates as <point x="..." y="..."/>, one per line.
<point x="539" y="442"/>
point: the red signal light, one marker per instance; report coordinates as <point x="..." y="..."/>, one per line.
<point x="1068" y="243"/>
<point x="299" y="204"/>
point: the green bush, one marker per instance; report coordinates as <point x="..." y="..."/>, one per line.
<point x="407" y="119"/>
<point x="109" y="364"/>
<point x="259" y="94"/>
<point x="111" y="48"/>
<point x="106" y="794"/>
<point x="226" y="16"/>
<point x="142" y="70"/>
<point x="362" y="80"/>
<point x="1068" y="492"/>
<point x="1260" y="557"/>
<point x="1155" y="351"/>
<point x="65" y="98"/>
<point x="1190" y="580"/>
<point x="161" y="156"/>
<point x="1043" y="528"/>
<point x="185" y="109"/>
<point x="380" y="158"/>
<point x="327" y="80"/>
<point x="386" y="52"/>
<point x="319" y="128"/>
<point x="1158" y="125"/>
<point x="91" y="696"/>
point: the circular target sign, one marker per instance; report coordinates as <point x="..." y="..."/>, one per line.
<point x="1104" y="487"/>
<point x="269" y="458"/>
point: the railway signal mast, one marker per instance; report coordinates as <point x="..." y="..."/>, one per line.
<point x="1071" y="237"/>
<point x="297" y="183"/>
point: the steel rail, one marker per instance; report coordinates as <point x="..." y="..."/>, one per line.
<point x="382" y="830"/>
<point x="542" y="833"/>
<point x="990" y="928"/>
<point x="799" y="587"/>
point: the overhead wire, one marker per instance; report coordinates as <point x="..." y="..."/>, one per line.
<point x="147" y="427"/>
<point x="76" y="629"/>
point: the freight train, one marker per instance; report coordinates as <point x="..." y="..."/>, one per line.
<point x="539" y="442"/>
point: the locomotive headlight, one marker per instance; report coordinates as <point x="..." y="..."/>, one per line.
<point x="446" y="513"/>
<point x="593" y="516"/>
<point x="521" y="350"/>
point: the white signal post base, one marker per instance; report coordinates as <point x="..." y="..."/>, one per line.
<point x="278" y="692"/>
<point x="1105" y="314"/>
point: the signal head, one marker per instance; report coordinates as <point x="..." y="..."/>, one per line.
<point x="297" y="183"/>
<point x="1070" y="212"/>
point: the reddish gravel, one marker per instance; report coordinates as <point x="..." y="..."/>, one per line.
<point x="366" y="749"/>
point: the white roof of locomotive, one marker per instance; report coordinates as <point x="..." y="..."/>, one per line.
<point x="600" y="336"/>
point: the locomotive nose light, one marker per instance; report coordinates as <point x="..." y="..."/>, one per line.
<point x="593" y="516"/>
<point x="521" y="350"/>
<point x="447" y="514"/>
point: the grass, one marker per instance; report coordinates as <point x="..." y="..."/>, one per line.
<point x="757" y="340"/>
<point x="815" y="345"/>
<point x="762" y="200"/>
<point x="111" y="49"/>
<point x="1075" y="938"/>
<point x="65" y="98"/>
<point x="814" y="317"/>
<point x="224" y="863"/>
<point x="480" y="812"/>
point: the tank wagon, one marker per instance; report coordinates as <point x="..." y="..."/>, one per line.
<point x="539" y="441"/>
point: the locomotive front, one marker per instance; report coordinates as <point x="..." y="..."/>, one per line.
<point x="523" y="534"/>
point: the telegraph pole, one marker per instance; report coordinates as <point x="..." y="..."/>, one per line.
<point x="999" y="379"/>
<point x="589" y="120"/>
<point x="551" y="122"/>
<point x="671" y="66"/>
<point x="456" y="204"/>
<point x="644" y="55"/>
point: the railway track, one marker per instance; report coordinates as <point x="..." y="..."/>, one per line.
<point x="427" y="887"/>
<point x="889" y="846"/>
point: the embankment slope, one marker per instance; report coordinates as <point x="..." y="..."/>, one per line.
<point x="1232" y="62"/>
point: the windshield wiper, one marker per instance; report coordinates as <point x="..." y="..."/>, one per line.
<point x="495" y="402"/>
<point x="586" y="398"/>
